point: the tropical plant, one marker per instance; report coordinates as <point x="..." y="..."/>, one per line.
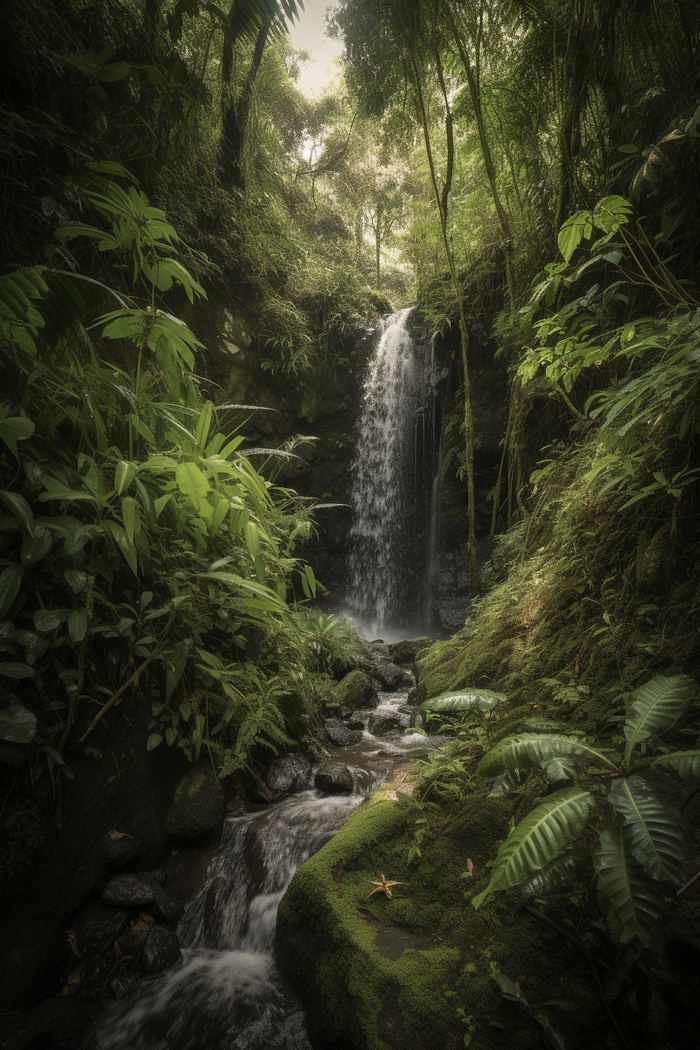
<point x="640" y="852"/>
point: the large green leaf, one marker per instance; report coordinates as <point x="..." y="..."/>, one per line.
<point x="683" y="764"/>
<point x="559" y="875"/>
<point x="462" y="700"/>
<point x="651" y="833"/>
<point x="531" y="724"/>
<point x="654" y="707"/>
<point x="635" y="898"/>
<point x="532" y="750"/>
<point x="10" y="582"/>
<point x="17" y="724"/>
<point x="540" y="837"/>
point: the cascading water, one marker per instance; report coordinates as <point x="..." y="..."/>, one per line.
<point x="396" y="488"/>
<point x="226" y="994"/>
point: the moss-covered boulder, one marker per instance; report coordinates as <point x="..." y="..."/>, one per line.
<point x="405" y="651"/>
<point x="356" y="690"/>
<point x="395" y="974"/>
<point x="197" y="804"/>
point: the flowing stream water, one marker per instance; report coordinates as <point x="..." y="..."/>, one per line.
<point x="396" y="485"/>
<point x="226" y="994"/>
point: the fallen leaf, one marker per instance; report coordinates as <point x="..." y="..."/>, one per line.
<point x="71" y="985"/>
<point x="144" y="923"/>
<point x="116" y="835"/>
<point x="73" y="943"/>
<point x="383" y="886"/>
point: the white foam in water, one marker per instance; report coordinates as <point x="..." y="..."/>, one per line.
<point x="226" y="994"/>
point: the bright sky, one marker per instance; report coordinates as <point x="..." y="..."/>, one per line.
<point x="309" y="33"/>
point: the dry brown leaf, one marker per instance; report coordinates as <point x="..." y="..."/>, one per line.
<point x="73" y="942"/>
<point x="71" y="985"/>
<point x="144" y="923"/>
<point x="116" y="835"/>
<point x="470" y="864"/>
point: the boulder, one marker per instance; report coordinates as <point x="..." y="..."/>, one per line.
<point x="405" y="652"/>
<point x="289" y="774"/>
<point x="161" y="950"/>
<point x="95" y="976"/>
<point x="98" y="926"/>
<point x="159" y="875"/>
<point x="340" y="734"/>
<point x="142" y="891"/>
<point x="130" y="946"/>
<point x="357" y="690"/>
<point x="380" y="723"/>
<point x="391" y="676"/>
<point x="197" y="806"/>
<point x="130" y="891"/>
<point x="334" y="778"/>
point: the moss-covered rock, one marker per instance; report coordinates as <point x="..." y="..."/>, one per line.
<point x="356" y="690"/>
<point x="197" y="804"/>
<point x="405" y="651"/>
<point x="381" y="974"/>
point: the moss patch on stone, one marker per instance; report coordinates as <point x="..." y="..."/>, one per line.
<point x="356" y="690"/>
<point x="197" y="804"/>
<point x="380" y="974"/>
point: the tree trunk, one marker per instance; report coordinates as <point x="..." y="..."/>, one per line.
<point x="235" y="112"/>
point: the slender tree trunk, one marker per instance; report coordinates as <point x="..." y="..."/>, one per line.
<point x="475" y="93"/>
<point x="377" y="247"/>
<point x="235" y="112"/>
<point x="442" y="200"/>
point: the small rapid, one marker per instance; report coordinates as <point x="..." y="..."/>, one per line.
<point x="226" y="994"/>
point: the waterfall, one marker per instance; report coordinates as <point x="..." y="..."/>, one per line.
<point x="395" y="495"/>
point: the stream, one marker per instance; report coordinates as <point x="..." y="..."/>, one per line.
<point x="227" y="994"/>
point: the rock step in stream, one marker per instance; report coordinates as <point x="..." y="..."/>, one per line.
<point x="221" y="989"/>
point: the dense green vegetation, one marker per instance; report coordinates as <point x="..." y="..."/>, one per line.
<point x="527" y="173"/>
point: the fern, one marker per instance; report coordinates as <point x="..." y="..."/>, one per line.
<point x="635" y="898"/>
<point x="654" y="708"/>
<point x="532" y="750"/>
<point x="540" y="837"/>
<point x="683" y="764"/>
<point x="652" y="835"/>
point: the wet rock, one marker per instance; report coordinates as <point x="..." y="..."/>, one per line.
<point x="341" y="735"/>
<point x="142" y="891"/>
<point x="118" y="852"/>
<point x="168" y="909"/>
<point x="357" y="690"/>
<point x="355" y="723"/>
<point x="122" y="984"/>
<point x="412" y="696"/>
<point x="289" y="774"/>
<point x="197" y="805"/>
<point x="96" y="975"/>
<point x="405" y="652"/>
<point x="159" y="875"/>
<point x="130" y="946"/>
<point x="130" y="891"/>
<point x="161" y="950"/>
<point x="392" y="677"/>
<point x="99" y="926"/>
<point x="381" y="723"/>
<point x="334" y="778"/>
<point x="260" y="792"/>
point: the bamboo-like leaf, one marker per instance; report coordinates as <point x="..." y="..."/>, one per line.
<point x="559" y="875"/>
<point x="635" y="898"/>
<point x="36" y="546"/>
<point x="654" y="707"/>
<point x="540" y="837"/>
<point x="651" y="833"/>
<point x="462" y="700"/>
<point x="124" y="474"/>
<point x="20" y="508"/>
<point x="683" y="764"/>
<point x="533" y="750"/>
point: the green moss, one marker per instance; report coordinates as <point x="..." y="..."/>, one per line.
<point x="374" y="971"/>
<point x="197" y="806"/>
<point x="356" y="690"/>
